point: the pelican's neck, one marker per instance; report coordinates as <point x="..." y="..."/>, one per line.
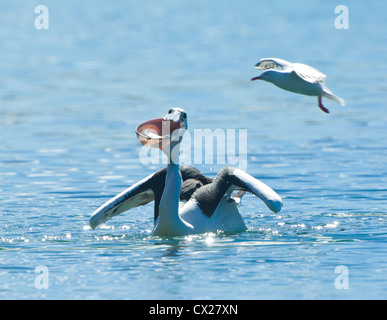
<point x="173" y="152"/>
<point x="169" y="204"/>
<point x="169" y="222"/>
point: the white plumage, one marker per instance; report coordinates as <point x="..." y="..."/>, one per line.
<point x="187" y="202"/>
<point x="296" y="77"/>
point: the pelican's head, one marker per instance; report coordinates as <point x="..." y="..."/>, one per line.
<point x="164" y="133"/>
<point x="177" y="118"/>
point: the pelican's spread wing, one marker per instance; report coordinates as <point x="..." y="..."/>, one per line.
<point x="228" y="179"/>
<point x="149" y="189"/>
<point x="246" y="182"/>
<point x="273" y="63"/>
<point x="308" y="73"/>
<point x="139" y="194"/>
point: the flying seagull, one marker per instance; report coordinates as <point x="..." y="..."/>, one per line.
<point x="296" y="77"/>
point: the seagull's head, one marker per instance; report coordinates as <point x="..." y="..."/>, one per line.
<point x="268" y="76"/>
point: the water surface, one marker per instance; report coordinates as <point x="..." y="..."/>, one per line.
<point x="71" y="96"/>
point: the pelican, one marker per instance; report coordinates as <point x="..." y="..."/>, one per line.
<point x="296" y="77"/>
<point x="185" y="201"/>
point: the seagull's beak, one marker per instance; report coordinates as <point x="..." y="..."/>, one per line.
<point x="255" y="78"/>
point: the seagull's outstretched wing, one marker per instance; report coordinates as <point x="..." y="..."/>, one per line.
<point x="304" y="71"/>
<point x="149" y="189"/>
<point x="308" y="73"/>
<point x="229" y="179"/>
<point x="273" y="63"/>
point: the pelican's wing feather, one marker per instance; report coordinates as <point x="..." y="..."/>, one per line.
<point x="149" y="189"/>
<point x="228" y="179"/>
<point x="246" y="182"/>
<point x="139" y="194"/>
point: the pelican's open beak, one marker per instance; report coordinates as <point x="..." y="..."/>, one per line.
<point x="158" y="133"/>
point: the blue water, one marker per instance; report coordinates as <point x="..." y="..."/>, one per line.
<point x="71" y="96"/>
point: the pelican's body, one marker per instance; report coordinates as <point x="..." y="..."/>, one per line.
<point x="226" y="217"/>
<point x="187" y="202"/>
<point x="189" y="217"/>
<point x="296" y="77"/>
